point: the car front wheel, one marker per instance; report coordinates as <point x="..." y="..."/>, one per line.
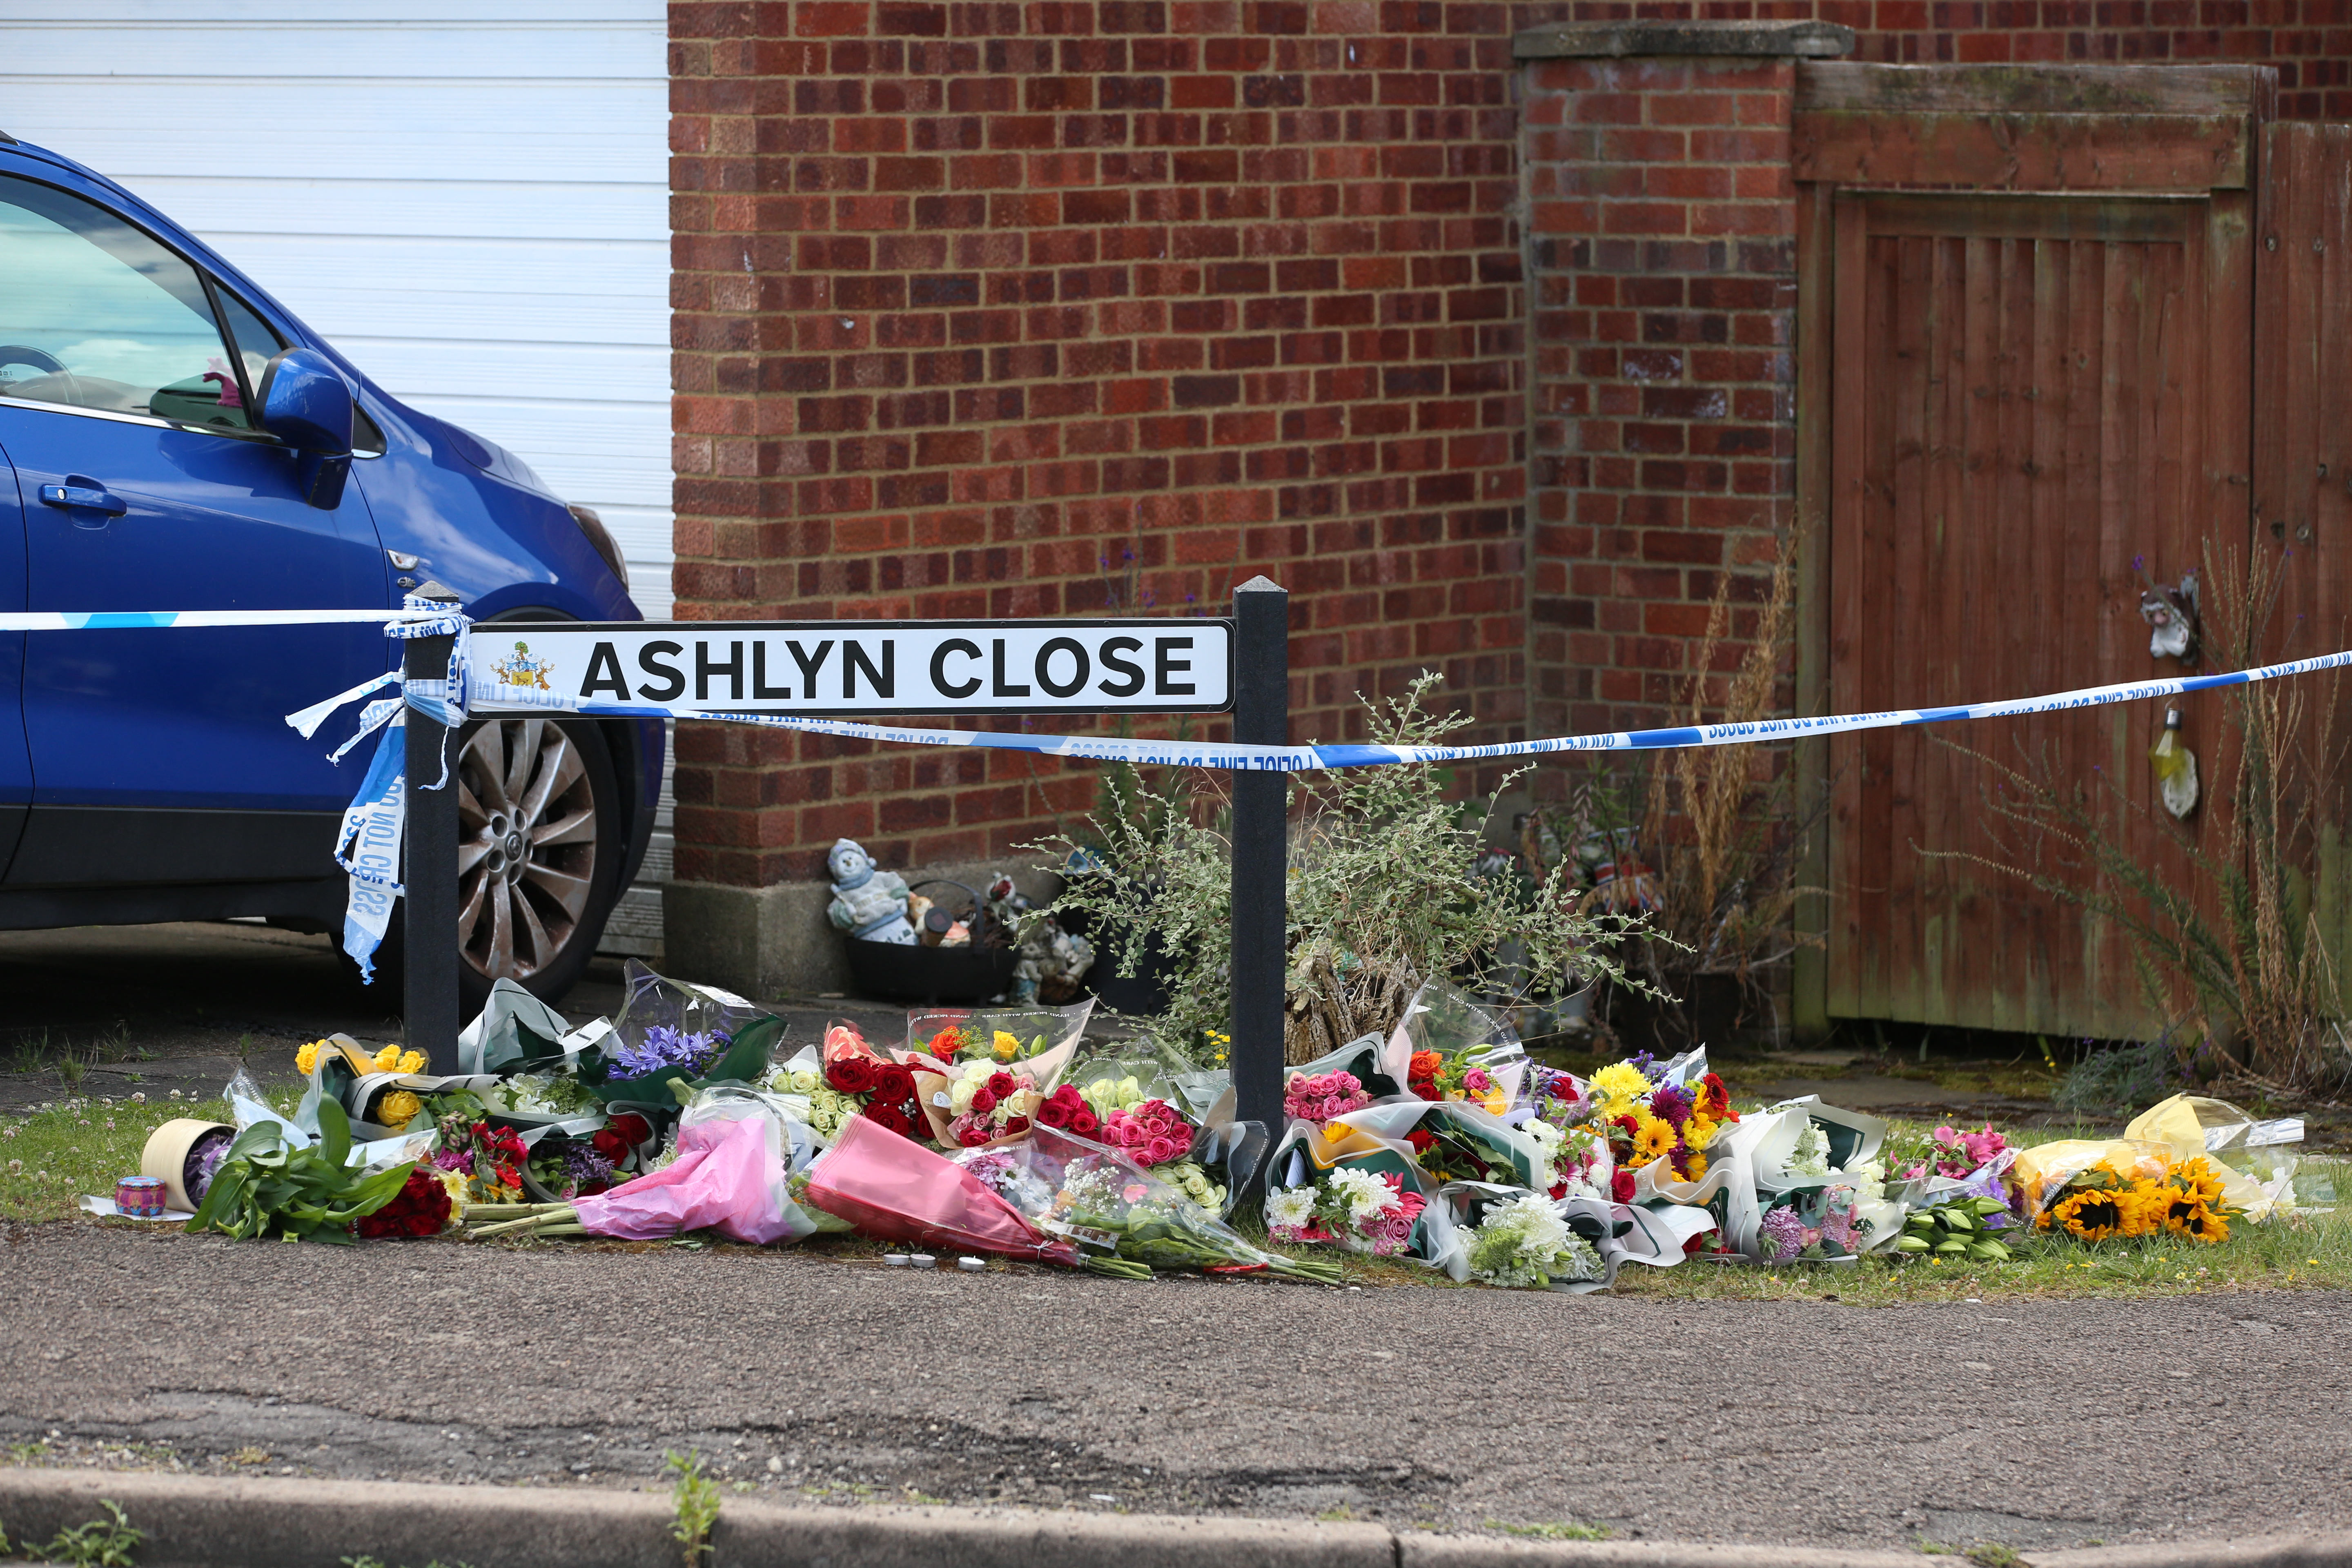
<point x="539" y="859"/>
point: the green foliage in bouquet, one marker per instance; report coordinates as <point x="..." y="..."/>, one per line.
<point x="268" y="1186"/>
<point x="1955" y="1231"/>
<point x="1383" y="895"/>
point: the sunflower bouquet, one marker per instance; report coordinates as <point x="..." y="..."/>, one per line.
<point x="2141" y="1195"/>
<point x="1646" y="1113"/>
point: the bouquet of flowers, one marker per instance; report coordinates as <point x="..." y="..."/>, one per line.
<point x="1319" y="1097"/>
<point x="669" y="1038"/>
<point x="1149" y="1132"/>
<point x="1955" y="1153"/>
<point x="388" y="1058"/>
<point x="1448" y="1046"/>
<point x="270" y="1185"/>
<point x="1645" y="1121"/>
<point x="1038" y="1040"/>
<point x="1815" y="1224"/>
<point x="490" y="1157"/>
<point x="1577" y="1159"/>
<point x="2149" y="1195"/>
<point x="1107" y="1207"/>
<point x="546" y="1094"/>
<point x="1526" y="1242"/>
<point x="888" y="1189"/>
<point x="423" y="1206"/>
<point x="1350" y="1206"/>
<point x="563" y="1165"/>
<point x="982" y="1103"/>
<point x="848" y="1080"/>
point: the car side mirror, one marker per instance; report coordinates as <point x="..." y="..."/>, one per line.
<point x="307" y="403"/>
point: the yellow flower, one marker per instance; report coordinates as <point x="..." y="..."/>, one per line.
<point x="1617" y="1087"/>
<point x="387" y="1058"/>
<point x="305" y="1060"/>
<point x="1697" y="1168"/>
<point x="2092" y="1216"/>
<point x="397" y="1109"/>
<point x="411" y="1061"/>
<point x="1654" y="1140"/>
<point x="1698" y="1132"/>
<point x="1007" y="1046"/>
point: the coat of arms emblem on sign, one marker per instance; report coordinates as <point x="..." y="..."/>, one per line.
<point x="521" y="668"/>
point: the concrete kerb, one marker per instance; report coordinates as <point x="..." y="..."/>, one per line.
<point x="200" y="1521"/>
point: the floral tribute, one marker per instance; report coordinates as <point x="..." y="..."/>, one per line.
<point x="1435" y="1075"/>
<point x="2109" y="1200"/>
<point x="1952" y="1152"/>
<point x="986" y="1102"/>
<point x="1646" y="1122"/>
<point x="421" y="1207"/>
<point x="1524" y="1242"/>
<point x="1363" y="1211"/>
<point x="490" y="1158"/>
<point x="1319" y="1097"/>
<point x="883" y="1093"/>
<point x="1066" y="1110"/>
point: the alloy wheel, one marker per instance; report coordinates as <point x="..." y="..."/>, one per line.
<point x="526" y="845"/>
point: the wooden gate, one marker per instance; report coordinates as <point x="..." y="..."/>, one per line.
<point x="2027" y="329"/>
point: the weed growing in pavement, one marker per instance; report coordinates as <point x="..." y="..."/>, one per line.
<point x="1993" y="1554"/>
<point x="694" y="1500"/>
<point x="363" y="1561"/>
<point x="101" y="1544"/>
<point x="1564" y="1530"/>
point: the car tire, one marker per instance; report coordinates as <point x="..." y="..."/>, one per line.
<point x="539" y="830"/>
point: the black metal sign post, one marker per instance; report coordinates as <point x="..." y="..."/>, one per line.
<point x="429" y="873"/>
<point x="1261" y="808"/>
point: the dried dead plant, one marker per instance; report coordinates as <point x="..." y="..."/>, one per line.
<point x="1720" y="831"/>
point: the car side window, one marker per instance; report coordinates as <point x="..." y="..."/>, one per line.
<point x="94" y="313"/>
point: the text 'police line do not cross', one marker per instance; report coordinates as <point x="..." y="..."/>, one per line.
<point x="835" y="669"/>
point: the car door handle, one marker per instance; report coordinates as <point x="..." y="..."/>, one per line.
<point x="84" y="497"/>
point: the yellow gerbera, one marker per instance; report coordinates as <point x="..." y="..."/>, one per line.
<point x="1653" y="1139"/>
<point x="1617" y="1087"/>
<point x="1699" y="1131"/>
<point x="1697" y="1171"/>
<point x="305" y="1060"/>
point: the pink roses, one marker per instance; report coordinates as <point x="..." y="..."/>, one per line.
<point x="1152" y="1133"/>
<point x="1323" y="1096"/>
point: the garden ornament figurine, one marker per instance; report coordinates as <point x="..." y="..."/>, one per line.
<point x="866" y="903"/>
<point x="2171" y="616"/>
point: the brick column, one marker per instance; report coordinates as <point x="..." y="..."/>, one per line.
<point x="1662" y="236"/>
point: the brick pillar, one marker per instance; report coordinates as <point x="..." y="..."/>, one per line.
<point x="1662" y="236"/>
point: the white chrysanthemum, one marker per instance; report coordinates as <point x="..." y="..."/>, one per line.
<point x="1290" y="1209"/>
<point x="1363" y="1195"/>
<point x="1541" y="1232"/>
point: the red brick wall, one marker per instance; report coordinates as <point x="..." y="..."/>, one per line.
<point x="2310" y="41"/>
<point x="1079" y="306"/>
<point x="1662" y="228"/>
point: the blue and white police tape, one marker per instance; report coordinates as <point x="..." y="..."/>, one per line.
<point x="484" y="695"/>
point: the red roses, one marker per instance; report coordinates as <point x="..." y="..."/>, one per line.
<point x="1067" y="1109"/>
<point x="421" y="1207"/>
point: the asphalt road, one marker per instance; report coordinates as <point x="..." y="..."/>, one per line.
<point x="2036" y="1424"/>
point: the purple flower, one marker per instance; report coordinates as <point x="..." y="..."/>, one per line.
<point x="1671" y="1105"/>
<point x="664" y="1047"/>
<point x="1782" y="1234"/>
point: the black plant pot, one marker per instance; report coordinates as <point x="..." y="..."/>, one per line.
<point x="896" y="972"/>
<point x="1148" y="990"/>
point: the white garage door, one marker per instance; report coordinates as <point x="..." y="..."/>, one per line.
<point x="468" y="197"/>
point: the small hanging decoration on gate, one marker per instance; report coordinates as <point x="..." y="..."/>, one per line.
<point x="2171" y="616"/>
<point x="2176" y="768"/>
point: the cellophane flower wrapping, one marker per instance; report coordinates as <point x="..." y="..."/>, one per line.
<point x="890" y="1188"/>
<point x="1037" y="1040"/>
<point x="735" y="1154"/>
<point x="1350" y="1205"/>
<point x="1448" y="1046"/>
<point x="1100" y="1199"/>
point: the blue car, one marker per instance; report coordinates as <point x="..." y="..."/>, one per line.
<point x="171" y="438"/>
